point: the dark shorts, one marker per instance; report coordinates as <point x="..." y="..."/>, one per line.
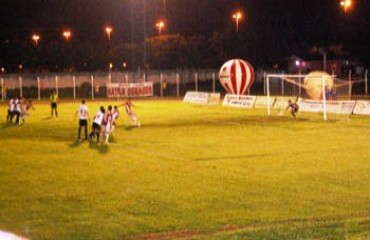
<point x="83" y="122"/>
<point x="96" y="126"/>
<point x="54" y="105"/>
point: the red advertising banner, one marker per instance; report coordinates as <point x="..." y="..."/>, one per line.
<point x="116" y="90"/>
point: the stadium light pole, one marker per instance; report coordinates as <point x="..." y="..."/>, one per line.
<point x="108" y="31"/>
<point x="160" y="25"/>
<point x="67" y="34"/>
<point x="36" y="39"/>
<point x="237" y="17"/>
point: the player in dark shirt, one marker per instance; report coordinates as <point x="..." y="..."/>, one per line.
<point x="293" y="108"/>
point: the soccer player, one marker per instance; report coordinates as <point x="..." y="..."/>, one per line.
<point x="11" y="108"/>
<point x="17" y="111"/>
<point x="26" y="105"/>
<point x="115" y="115"/>
<point x="83" y="112"/>
<point x="293" y="108"/>
<point x="130" y="113"/>
<point x="107" y="124"/>
<point x="96" y="126"/>
<point x="54" y="104"/>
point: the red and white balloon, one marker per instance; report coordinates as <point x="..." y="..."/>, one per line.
<point x="236" y="76"/>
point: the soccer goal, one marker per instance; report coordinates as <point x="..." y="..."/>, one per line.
<point x="317" y="92"/>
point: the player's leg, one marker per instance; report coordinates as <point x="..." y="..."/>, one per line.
<point x="8" y="117"/>
<point x="98" y="130"/>
<point x="79" y="129"/>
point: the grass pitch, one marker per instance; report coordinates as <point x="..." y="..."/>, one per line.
<point x="189" y="172"/>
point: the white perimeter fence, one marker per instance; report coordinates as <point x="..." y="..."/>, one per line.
<point x="94" y="85"/>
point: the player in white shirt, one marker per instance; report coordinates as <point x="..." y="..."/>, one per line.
<point x="17" y="110"/>
<point x="96" y="126"/>
<point x="11" y="108"/>
<point x="83" y="113"/>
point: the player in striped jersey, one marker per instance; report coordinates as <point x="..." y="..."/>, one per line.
<point x="115" y="115"/>
<point x="107" y="124"/>
<point x="130" y="113"/>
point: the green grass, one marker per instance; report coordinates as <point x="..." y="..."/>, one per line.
<point x="189" y="171"/>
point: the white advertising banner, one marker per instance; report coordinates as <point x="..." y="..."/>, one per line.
<point x="362" y="107"/>
<point x="202" y="97"/>
<point x="242" y="101"/>
<point x="281" y="102"/>
<point x="334" y="106"/>
<point x="116" y="90"/>
<point x="261" y="102"/>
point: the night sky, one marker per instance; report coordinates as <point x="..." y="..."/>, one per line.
<point x="270" y="31"/>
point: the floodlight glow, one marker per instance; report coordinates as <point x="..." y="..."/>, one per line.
<point x="160" y="25"/>
<point x="36" y="38"/>
<point x="237" y="16"/>
<point x="109" y="31"/>
<point x="67" y="34"/>
<point x="346" y="4"/>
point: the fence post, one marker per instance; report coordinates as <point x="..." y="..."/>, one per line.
<point x="366" y="86"/>
<point x="74" y="86"/>
<point x="92" y="86"/>
<point x="161" y="83"/>
<point x="268" y="95"/>
<point x="350" y="84"/>
<point x="38" y="89"/>
<point x="2" y="89"/>
<point x="300" y="83"/>
<point x="264" y="83"/>
<point x="178" y="84"/>
<point x="56" y="84"/>
<point x="282" y="87"/>
<point x="196" y="81"/>
<point x="213" y="82"/>
<point x="324" y="97"/>
<point x="20" y="86"/>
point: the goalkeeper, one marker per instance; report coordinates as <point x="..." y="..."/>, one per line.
<point x="293" y="108"/>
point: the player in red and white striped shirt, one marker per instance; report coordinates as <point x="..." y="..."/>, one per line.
<point x="107" y="124"/>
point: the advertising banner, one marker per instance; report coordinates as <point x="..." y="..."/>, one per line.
<point x="362" y="107"/>
<point x="241" y="101"/>
<point x="117" y="90"/>
<point x="333" y="106"/>
<point x="202" y="97"/>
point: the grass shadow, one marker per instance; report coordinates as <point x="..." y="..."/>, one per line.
<point x="130" y="127"/>
<point x="75" y="143"/>
<point x="100" y="147"/>
<point x="7" y="125"/>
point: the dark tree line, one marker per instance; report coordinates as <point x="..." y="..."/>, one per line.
<point x="197" y="33"/>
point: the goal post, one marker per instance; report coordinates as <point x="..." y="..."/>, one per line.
<point x="317" y="92"/>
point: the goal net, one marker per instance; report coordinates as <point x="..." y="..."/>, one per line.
<point x="317" y="93"/>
